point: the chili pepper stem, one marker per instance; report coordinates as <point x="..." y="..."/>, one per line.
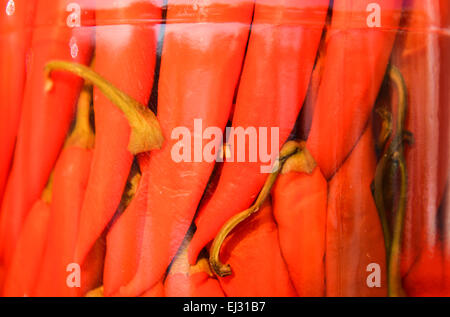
<point x="394" y="155"/>
<point x="379" y="200"/>
<point x="293" y="156"/>
<point x="386" y="128"/>
<point x="394" y="277"/>
<point x="146" y="134"/>
<point x="218" y="267"/>
<point x="82" y="135"/>
<point x="131" y="189"/>
<point x="395" y="285"/>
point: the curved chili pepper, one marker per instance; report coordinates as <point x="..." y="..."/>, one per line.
<point x="15" y="38"/>
<point x="355" y="61"/>
<point x="48" y="109"/>
<point x="354" y="233"/>
<point x="145" y="131"/>
<point x="264" y="233"/>
<point x="184" y="280"/>
<point x="253" y="251"/>
<point x="300" y="209"/>
<point x="124" y="239"/>
<point x="289" y="149"/>
<point x="132" y="62"/>
<point x="199" y="72"/>
<point x="416" y="54"/>
<point x="69" y="178"/>
<point x="277" y="69"/>
<point x="23" y="271"/>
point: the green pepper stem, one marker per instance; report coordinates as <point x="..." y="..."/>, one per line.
<point x="146" y="134"/>
<point x="299" y="160"/>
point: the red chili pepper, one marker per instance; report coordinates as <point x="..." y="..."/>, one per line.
<point x="199" y="72"/>
<point x="145" y="133"/>
<point x="131" y="68"/>
<point x="444" y="115"/>
<point x="155" y="291"/>
<point x="354" y="66"/>
<point x="424" y="277"/>
<point x="415" y="54"/>
<point x="15" y="38"/>
<point x="28" y="255"/>
<point x="184" y="280"/>
<point x="69" y="182"/>
<point x="262" y="231"/>
<point x="444" y="109"/>
<point x="300" y="210"/>
<point x="277" y="69"/>
<point x="253" y="251"/>
<point x="354" y="233"/>
<point x="47" y="112"/>
<point x="124" y="240"/>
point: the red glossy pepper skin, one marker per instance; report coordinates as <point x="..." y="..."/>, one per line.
<point x="24" y="269"/>
<point x="354" y="65"/>
<point x="199" y="72"/>
<point x="69" y="184"/>
<point x="444" y="108"/>
<point x="15" y="40"/>
<point x="184" y="280"/>
<point x="354" y="234"/>
<point x="131" y="69"/>
<point x="423" y="239"/>
<point x="300" y="210"/>
<point x="124" y="239"/>
<point x="416" y="54"/>
<point x="444" y="115"/>
<point x="277" y="69"/>
<point x="155" y="291"/>
<point x="46" y="114"/>
<point x="253" y="252"/>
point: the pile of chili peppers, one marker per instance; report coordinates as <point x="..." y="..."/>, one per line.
<point x="355" y="99"/>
